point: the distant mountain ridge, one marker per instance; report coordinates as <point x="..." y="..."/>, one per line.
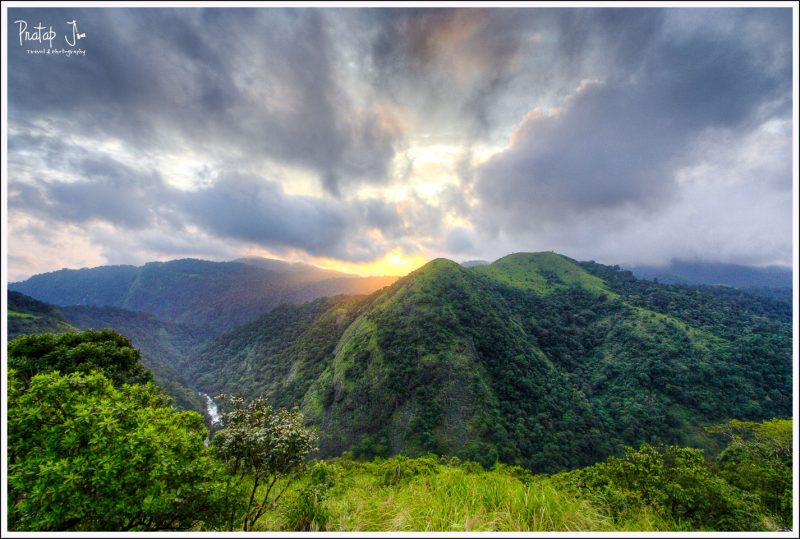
<point x="716" y="273"/>
<point x="214" y="295"/>
<point x="471" y="263"/>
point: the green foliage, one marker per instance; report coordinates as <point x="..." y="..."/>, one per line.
<point x="26" y="315"/>
<point x="278" y="356"/>
<point x="541" y="273"/>
<point x="264" y="444"/>
<point x="307" y="511"/>
<point x="86" y="455"/>
<point x="105" y="351"/>
<point x="400" y="468"/>
<point x="758" y="459"/>
<point x="535" y="360"/>
<point x="670" y="480"/>
<point x="447" y="495"/>
<point x="163" y="345"/>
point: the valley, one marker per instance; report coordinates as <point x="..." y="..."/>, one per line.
<point x="534" y="360"/>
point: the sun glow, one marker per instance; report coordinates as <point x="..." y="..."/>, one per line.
<point x="393" y="263"/>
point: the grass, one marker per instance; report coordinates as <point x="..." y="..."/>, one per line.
<point x="646" y="319"/>
<point x="16" y="314"/>
<point x="542" y="273"/>
<point x="423" y="495"/>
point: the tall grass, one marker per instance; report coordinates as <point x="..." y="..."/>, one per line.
<point x="422" y="495"/>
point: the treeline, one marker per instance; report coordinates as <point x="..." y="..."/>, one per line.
<point x="94" y="445"/>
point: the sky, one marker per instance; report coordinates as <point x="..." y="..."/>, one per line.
<point x="371" y="140"/>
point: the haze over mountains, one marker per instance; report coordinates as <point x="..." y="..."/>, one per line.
<point x="218" y="295"/>
<point x="534" y="359"/>
<point x="715" y="273"/>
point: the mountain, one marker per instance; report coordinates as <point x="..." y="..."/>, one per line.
<point x="212" y="295"/>
<point x="470" y="263"/>
<point x="535" y="359"/>
<point x="27" y="315"/>
<point x="713" y="273"/>
<point x="162" y="344"/>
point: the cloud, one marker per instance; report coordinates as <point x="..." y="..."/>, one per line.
<point x="449" y="63"/>
<point x="459" y="240"/>
<point x="235" y="84"/>
<point x="254" y="210"/>
<point x="108" y="191"/>
<point x="245" y="208"/>
<point x="612" y="151"/>
<point x="622" y="135"/>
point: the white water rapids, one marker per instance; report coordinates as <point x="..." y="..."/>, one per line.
<point x="213" y="409"/>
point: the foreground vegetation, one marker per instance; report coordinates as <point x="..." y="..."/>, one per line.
<point x="94" y="445"/>
<point x="663" y="488"/>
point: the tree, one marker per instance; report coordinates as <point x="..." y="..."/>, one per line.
<point x="758" y="458"/>
<point x="103" y="350"/>
<point x="264" y="444"/>
<point x="85" y="455"/>
<point x="675" y="482"/>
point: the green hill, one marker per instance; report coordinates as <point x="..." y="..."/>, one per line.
<point x="541" y="272"/>
<point x="535" y="360"/>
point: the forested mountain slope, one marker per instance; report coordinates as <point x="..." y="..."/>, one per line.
<point x="535" y="360"/>
<point x="162" y="344"/>
<point x="27" y="315"/>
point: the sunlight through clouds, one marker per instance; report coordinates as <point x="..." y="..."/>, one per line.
<point x="373" y="139"/>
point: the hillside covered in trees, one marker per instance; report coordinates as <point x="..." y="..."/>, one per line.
<point x="162" y="344"/>
<point x="93" y="445"/>
<point x="535" y="360"/>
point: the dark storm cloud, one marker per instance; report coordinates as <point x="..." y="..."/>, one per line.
<point x="461" y="65"/>
<point x="619" y="143"/>
<point x="233" y="82"/>
<point x="380" y="215"/>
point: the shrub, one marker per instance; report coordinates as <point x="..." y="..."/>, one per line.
<point x="758" y="458"/>
<point x="673" y="481"/>
<point x="264" y="444"/>
<point x="85" y="455"/>
<point x="307" y="512"/>
<point x="399" y="468"/>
